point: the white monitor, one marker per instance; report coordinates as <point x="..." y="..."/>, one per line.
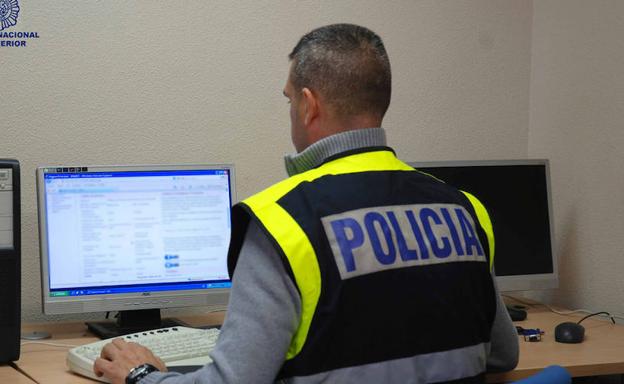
<point x="134" y="239"/>
<point x="517" y="195"/>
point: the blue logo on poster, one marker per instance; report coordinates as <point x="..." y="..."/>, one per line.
<point x="8" y="13"/>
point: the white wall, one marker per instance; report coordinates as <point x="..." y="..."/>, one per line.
<point x="577" y="120"/>
<point x="112" y="82"/>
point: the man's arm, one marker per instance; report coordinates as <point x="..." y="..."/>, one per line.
<point x="263" y="314"/>
<point x="504" y="339"/>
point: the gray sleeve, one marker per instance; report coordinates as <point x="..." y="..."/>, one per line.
<point x="504" y="339"/>
<point x="263" y="314"/>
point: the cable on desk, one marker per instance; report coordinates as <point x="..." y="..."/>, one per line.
<point x="60" y="345"/>
<point x="582" y="310"/>
<point x="568" y="312"/>
<point x="219" y="308"/>
<point x="518" y="300"/>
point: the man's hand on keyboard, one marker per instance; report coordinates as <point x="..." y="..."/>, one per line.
<point x="119" y="357"/>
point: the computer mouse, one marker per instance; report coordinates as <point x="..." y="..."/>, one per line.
<point x="569" y="332"/>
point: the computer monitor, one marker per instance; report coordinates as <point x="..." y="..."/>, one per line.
<point x="134" y="239"/>
<point x="516" y="194"/>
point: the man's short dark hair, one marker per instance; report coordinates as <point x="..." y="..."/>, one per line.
<point x="347" y="65"/>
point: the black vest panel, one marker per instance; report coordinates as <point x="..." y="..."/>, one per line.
<point x="395" y="313"/>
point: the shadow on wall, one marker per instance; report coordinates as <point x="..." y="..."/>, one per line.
<point x="569" y="266"/>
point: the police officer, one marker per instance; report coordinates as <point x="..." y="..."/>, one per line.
<point x="357" y="268"/>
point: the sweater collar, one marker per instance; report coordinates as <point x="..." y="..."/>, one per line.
<point x="317" y="153"/>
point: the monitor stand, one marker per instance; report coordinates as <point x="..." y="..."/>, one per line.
<point x="131" y="322"/>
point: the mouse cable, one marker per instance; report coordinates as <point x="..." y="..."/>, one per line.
<point x="595" y="314"/>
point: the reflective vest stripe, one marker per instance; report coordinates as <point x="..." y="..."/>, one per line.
<point x="302" y="259"/>
<point x="293" y="241"/>
<point x="484" y="221"/>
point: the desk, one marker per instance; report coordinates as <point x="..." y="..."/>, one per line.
<point x="602" y="352"/>
<point x="8" y="374"/>
<point x="46" y="364"/>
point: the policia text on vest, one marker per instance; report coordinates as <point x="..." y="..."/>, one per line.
<point x="401" y="236"/>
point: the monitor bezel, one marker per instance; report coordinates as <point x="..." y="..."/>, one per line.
<point x="517" y="282"/>
<point x="209" y="297"/>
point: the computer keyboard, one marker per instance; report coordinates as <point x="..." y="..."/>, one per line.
<point x="176" y="346"/>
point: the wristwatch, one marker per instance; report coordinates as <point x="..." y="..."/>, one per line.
<point x="137" y="373"/>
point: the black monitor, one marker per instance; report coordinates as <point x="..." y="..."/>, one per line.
<point x="516" y="194"/>
<point x="10" y="260"/>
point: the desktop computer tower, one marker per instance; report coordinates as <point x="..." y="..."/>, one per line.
<point x="10" y="261"/>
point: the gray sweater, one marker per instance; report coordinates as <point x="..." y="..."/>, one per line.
<point x="264" y="307"/>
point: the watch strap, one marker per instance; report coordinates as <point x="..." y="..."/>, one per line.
<point x="139" y="372"/>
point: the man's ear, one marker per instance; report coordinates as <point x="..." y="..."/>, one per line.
<point x="310" y="105"/>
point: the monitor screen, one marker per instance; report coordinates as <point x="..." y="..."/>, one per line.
<point x="516" y="194"/>
<point x="116" y="238"/>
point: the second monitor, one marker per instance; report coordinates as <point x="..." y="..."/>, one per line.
<point x="516" y="194"/>
<point x="134" y="239"/>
